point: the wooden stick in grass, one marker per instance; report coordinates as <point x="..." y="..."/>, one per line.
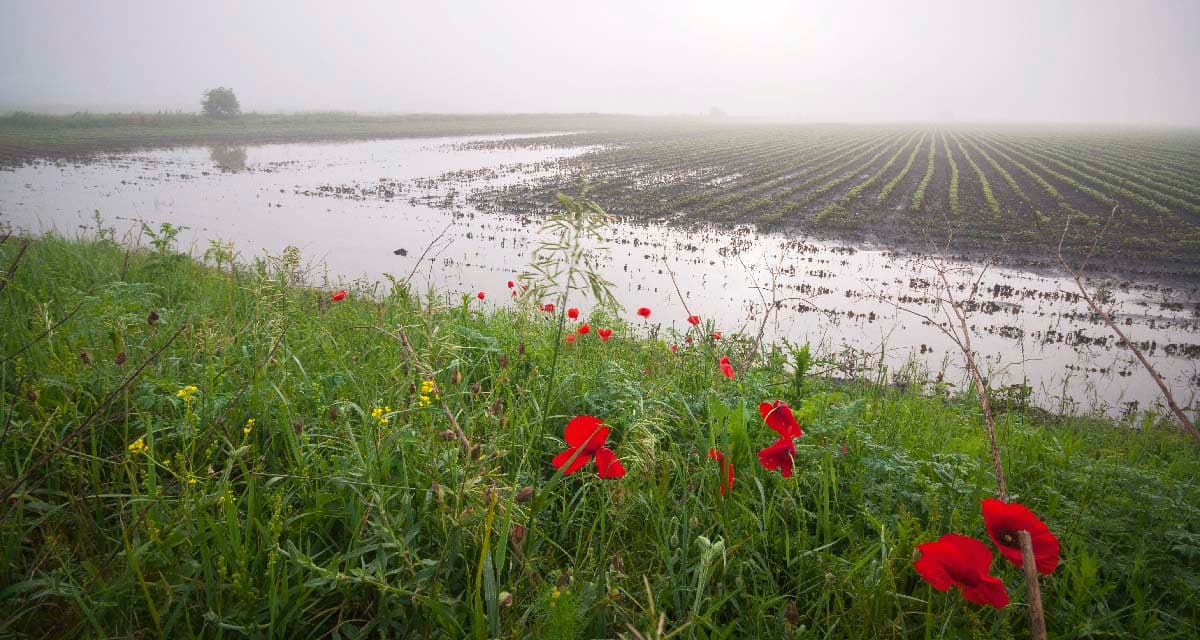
<point x="1037" y="615"/>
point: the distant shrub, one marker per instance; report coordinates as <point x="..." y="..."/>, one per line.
<point x="220" y="103"/>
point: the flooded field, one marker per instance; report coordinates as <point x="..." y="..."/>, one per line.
<point x="363" y="209"/>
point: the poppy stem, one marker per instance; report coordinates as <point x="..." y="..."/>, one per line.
<point x="1037" y="614"/>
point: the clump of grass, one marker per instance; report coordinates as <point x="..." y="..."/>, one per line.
<point x="304" y="487"/>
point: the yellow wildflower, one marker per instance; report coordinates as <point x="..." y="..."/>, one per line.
<point x="187" y="392"/>
<point x="423" y="401"/>
<point x="378" y="414"/>
<point x="138" y="447"/>
<point x="248" y="427"/>
<point x="192" y="481"/>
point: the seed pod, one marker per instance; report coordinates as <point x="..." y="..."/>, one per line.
<point x="84" y="357"/>
<point x="504" y="361"/>
<point x="475" y="389"/>
<point x="521" y="348"/>
<point x="333" y="412"/>
<point x="436" y="489"/>
<point x="524" y="495"/>
<point x="120" y="359"/>
<point x="791" y="613"/>
<point x="456" y="377"/>
<point x="476" y="451"/>
<point x="448" y="435"/>
<point x="152" y="319"/>
<point x="517" y="535"/>
<point x="618" y="564"/>
<point x="564" y="580"/>
<point x="505" y="600"/>
<point x="496" y="407"/>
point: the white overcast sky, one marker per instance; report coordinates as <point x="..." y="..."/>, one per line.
<point x="1001" y="60"/>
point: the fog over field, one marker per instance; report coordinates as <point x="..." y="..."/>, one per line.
<point x="1077" y="61"/>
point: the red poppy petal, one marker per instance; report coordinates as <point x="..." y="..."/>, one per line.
<point x="778" y="415"/>
<point x="716" y="454"/>
<point x="562" y="458"/>
<point x="778" y="457"/>
<point x="587" y="432"/>
<point x="727" y="370"/>
<point x="989" y="591"/>
<point x="607" y="464"/>
<point x="1004" y="519"/>
<point x="964" y="562"/>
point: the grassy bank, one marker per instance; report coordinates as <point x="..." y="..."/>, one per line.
<point x="273" y="499"/>
<point x="26" y="135"/>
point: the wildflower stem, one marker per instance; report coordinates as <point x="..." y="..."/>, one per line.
<point x="1037" y="615"/>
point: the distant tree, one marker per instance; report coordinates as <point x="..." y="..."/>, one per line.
<point x="220" y="103"/>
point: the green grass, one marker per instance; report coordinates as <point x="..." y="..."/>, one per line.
<point x="320" y="521"/>
<point x="28" y="134"/>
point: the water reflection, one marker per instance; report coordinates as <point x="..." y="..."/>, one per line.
<point x="228" y="158"/>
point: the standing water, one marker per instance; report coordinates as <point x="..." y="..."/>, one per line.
<point x="364" y="209"/>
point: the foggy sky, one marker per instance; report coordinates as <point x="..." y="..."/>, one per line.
<point x="1026" y="60"/>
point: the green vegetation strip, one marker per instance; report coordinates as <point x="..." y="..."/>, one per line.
<point x="288" y="467"/>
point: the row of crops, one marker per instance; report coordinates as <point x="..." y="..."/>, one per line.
<point x="1002" y="188"/>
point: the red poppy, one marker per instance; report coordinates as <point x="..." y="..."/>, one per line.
<point x="726" y="368"/>
<point x="571" y="338"/>
<point x="778" y="456"/>
<point x="607" y="465"/>
<point x="694" y="321"/>
<point x="511" y="284"/>
<point x="584" y="329"/>
<point x="1004" y="519"/>
<point x="674" y="348"/>
<point x="644" y="312"/>
<point x="688" y="339"/>
<point x="604" y="334"/>
<point x="963" y="562"/>
<point x="778" y="415"/>
<point x="548" y="307"/>
<point x="514" y="294"/>
<point x="716" y="335"/>
<point x="572" y="313"/>
<point x="586" y="435"/>
<point x="726" y="469"/>
<point x="480" y="295"/>
<point x="339" y="296"/>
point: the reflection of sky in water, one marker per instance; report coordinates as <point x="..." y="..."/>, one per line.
<point x="277" y="200"/>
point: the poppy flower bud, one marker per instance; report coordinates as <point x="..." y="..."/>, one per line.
<point x="448" y="435"/>
<point x="456" y="377"/>
<point x="573" y="313"/>
<point x="475" y="389"/>
<point x="481" y="295"/>
<point x="476" y="451"/>
<point x="152" y="319"/>
<point x="119" y="359"/>
<point x="524" y="495"/>
<point x="521" y="348"/>
<point x="564" y="580"/>
<point x="618" y="564"/>
<point x="84" y="357"/>
<point x="496" y="407"/>
<point x="436" y="489"/>
<point x="333" y="413"/>
<point x="504" y="361"/>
